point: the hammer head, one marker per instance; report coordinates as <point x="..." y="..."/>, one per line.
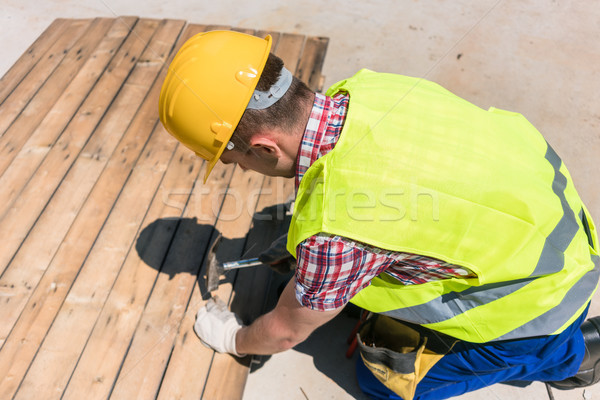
<point x="213" y="268"/>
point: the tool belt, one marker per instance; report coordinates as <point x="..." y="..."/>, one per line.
<point x="400" y="354"/>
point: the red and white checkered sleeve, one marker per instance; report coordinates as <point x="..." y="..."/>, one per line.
<point x="331" y="270"/>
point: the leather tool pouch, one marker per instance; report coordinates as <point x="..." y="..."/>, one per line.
<point x="400" y="354"/>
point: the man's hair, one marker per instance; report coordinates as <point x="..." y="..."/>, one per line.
<point x="286" y="113"/>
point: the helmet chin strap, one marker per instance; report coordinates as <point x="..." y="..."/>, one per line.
<point x="261" y="100"/>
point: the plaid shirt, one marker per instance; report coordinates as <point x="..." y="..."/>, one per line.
<point x="332" y="269"/>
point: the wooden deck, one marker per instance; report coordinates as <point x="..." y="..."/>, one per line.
<point x="105" y="221"/>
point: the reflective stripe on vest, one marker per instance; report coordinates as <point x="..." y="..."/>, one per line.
<point x="552" y="257"/>
<point x="551" y="260"/>
<point x="515" y="227"/>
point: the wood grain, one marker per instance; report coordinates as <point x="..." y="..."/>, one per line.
<point x="105" y="222"/>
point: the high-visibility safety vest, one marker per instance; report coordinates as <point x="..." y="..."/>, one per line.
<point x="420" y="170"/>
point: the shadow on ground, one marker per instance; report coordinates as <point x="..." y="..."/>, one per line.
<point x="179" y="245"/>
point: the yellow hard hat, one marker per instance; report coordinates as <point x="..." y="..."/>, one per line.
<point x="207" y="88"/>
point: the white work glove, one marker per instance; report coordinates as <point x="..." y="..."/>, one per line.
<point x="217" y="327"/>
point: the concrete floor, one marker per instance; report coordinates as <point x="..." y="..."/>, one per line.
<point x="537" y="57"/>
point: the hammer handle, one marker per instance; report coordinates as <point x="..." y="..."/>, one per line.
<point x="251" y="262"/>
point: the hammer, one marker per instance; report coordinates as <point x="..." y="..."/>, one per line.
<point x="215" y="270"/>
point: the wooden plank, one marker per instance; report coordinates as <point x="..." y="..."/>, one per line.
<point x="32" y="55"/>
<point x="101" y="360"/>
<point x="33" y="323"/>
<point x="102" y="357"/>
<point x="129" y="382"/>
<point x="153" y="341"/>
<point x="190" y="360"/>
<point x="41" y="141"/>
<point x="78" y="313"/>
<point x="35" y="150"/>
<point x="104" y="328"/>
<point x="244" y="30"/>
<point x="72" y="326"/>
<point x="235" y="217"/>
<point x="225" y="368"/>
<point x="107" y="346"/>
<point x="232" y="373"/>
<point x="289" y="50"/>
<point x="227" y="375"/>
<point x="44" y="303"/>
<point x="151" y="347"/>
<point x="40" y="247"/>
<point x="18" y="98"/>
<point x="311" y="62"/>
<point x="180" y="381"/>
<point x="46" y="300"/>
<point x="24" y="211"/>
<point x="31" y="116"/>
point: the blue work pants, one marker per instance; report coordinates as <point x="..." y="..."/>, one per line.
<point x="471" y="366"/>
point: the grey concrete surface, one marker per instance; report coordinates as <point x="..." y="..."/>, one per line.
<point x="537" y="57"/>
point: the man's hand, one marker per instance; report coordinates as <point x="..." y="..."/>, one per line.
<point x="277" y="256"/>
<point x="217" y="327"/>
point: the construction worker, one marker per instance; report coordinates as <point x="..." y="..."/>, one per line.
<point x="459" y="228"/>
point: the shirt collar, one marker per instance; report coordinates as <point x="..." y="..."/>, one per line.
<point x="313" y="135"/>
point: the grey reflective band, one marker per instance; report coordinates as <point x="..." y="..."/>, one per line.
<point x="553" y="319"/>
<point x="451" y="304"/>
<point x="552" y="259"/>
<point x="261" y="100"/>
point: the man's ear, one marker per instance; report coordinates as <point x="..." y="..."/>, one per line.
<point x="265" y="145"/>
